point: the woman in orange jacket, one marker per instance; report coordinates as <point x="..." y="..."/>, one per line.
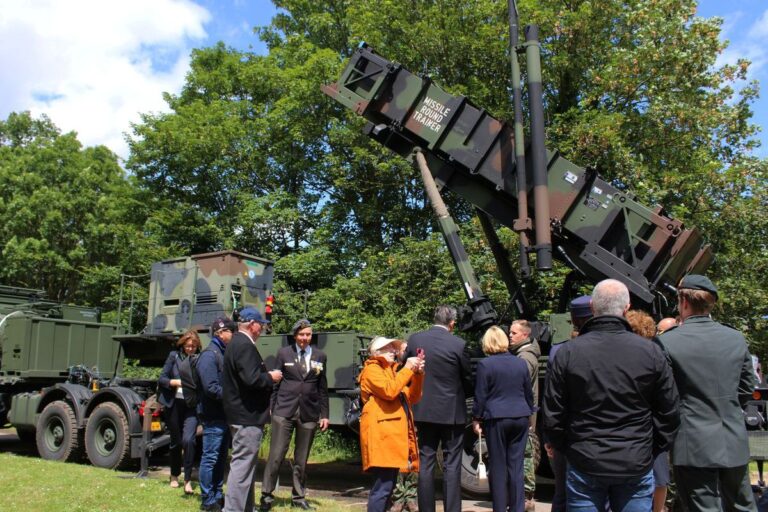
<point x="387" y="432"/>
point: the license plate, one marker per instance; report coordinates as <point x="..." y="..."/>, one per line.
<point x="156" y="426"/>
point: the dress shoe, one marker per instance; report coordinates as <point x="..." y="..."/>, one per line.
<point x="302" y="505"/>
<point x="213" y="507"/>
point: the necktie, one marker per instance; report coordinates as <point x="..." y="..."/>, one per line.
<point x="303" y="362"/>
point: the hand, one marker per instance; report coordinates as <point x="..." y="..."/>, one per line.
<point x="550" y="450"/>
<point x="323" y="423"/>
<point x="175" y="383"/>
<point x="476" y="428"/>
<point x="413" y="363"/>
<point x="276" y="375"/>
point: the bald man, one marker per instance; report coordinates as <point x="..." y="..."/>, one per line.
<point x="666" y="324"/>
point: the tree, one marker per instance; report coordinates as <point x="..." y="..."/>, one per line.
<point x="631" y="88"/>
<point x="72" y="221"/>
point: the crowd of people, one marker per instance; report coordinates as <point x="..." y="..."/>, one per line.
<point x="624" y="401"/>
<point x="238" y="397"/>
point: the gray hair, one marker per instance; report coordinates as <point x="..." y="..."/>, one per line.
<point x="444" y="315"/>
<point x="610" y="297"/>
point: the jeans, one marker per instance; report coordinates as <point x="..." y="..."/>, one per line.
<point x="213" y="461"/>
<point x="588" y="493"/>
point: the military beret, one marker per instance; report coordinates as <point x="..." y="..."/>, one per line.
<point x="581" y="307"/>
<point x="299" y="325"/>
<point x="698" y="282"/>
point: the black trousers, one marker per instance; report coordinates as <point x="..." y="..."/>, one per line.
<point x="282" y="430"/>
<point x="381" y="490"/>
<point x="182" y="425"/>
<point x="715" y="489"/>
<point x="451" y="438"/>
<point x="506" y="438"/>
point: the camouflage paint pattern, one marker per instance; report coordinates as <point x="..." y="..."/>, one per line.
<point x="597" y="228"/>
<point x="530" y="463"/>
<point x="191" y="292"/>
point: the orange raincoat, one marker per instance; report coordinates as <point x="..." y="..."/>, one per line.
<point x="387" y="431"/>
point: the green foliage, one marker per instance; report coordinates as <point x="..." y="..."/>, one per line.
<point x="72" y="221"/>
<point x="253" y="156"/>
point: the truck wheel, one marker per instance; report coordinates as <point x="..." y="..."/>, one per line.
<point x="57" y="433"/>
<point x="469" y="461"/>
<point x="106" y="437"/>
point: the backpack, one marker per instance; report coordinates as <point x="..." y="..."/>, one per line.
<point x="190" y="382"/>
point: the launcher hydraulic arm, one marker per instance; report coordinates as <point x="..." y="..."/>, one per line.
<point x="597" y="229"/>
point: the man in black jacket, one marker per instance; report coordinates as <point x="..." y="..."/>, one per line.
<point x="300" y="403"/>
<point x="610" y="405"/>
<point x="209" y="367"/>
<point x="247" y="388"/>
<point x="441" y="415"/>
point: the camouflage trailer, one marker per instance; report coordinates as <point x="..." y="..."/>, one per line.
<point x="559" y="210"/>
<point x="597" y="229"/>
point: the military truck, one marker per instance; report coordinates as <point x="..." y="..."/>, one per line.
<point x="559" y="210"/>
<point x="60" y="366"/>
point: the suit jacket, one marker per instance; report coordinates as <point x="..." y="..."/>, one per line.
<point x="447" y="380"/>
<point x="712" y="368"/>
<point x="166" y="394"/>
<point x="502" y="388"/>
<point x="308" y="393"/>
<point x="246" y="385"/>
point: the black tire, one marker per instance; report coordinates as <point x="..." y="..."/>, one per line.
<point x="57" y="435"/>
<point x="107" y="440"/>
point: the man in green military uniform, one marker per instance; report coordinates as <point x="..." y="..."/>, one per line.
<point x="713" y="371"/>
<point x="526" y="348"/>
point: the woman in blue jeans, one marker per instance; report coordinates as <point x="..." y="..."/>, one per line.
<point x="180" y="419"/>
<point x="502" y="411"/>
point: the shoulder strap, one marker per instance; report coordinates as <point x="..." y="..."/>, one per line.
<point x="217" y="355"/>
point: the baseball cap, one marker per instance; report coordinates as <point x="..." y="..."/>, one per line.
<point x="220" y="323"/>
<point x="251" y="314"/>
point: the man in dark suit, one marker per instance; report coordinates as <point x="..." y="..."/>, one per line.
<point x="300" y="403"/>
<point x="441" y="415"/>
<point x="713" y="370"/>
<point x="246" y="391"/>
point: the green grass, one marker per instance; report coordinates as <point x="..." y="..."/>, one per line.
<point x="38" y="485"/>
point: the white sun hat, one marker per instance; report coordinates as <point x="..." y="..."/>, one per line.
<point x="379" y="342"/>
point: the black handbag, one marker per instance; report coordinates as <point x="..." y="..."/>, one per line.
<point x="353" y="412"/>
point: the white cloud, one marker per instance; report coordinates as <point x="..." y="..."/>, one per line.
<point x="93" y="65"/>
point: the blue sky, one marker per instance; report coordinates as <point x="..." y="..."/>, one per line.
<point x="94" y="65"/>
